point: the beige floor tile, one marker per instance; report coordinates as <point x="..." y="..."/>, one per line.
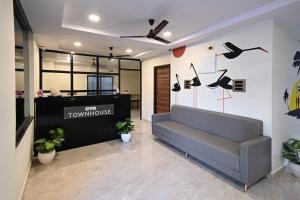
<point x="145" y="168"/>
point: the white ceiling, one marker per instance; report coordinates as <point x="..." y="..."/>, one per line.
<point x="58" y="23"/>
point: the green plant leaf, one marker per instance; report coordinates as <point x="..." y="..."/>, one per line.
<point x="60" y="132"/>
<point x="291" y="150"/>
<point x="125" y="127"/>
<point x="49" y="145"/>
<point x="39" y="141"/>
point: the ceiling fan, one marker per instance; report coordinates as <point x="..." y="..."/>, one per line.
<point x="153" y="32"/>
<point x="111" y="56"/>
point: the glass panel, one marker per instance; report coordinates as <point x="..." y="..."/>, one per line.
<point x="19" y="58"/>
<point x="19" y="81"/>
<point x="130" y="82"/>
<point x="106" y="84"/>
<point x="56" y="61"/>
<point x="81" y="81"/>
<point x="108" y="66"/>
<point x="92" y="82"/>
<point x="116" y="82"/>
<point x="58" y="81"/>
<point x="130" y="64"/>
<point x="84" y="63"/>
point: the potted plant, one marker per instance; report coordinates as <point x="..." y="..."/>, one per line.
<point x="291" y="152"/>
<point x="124" y="129"/>
<point x="46" y="146"/>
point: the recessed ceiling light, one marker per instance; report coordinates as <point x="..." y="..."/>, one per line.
<point x="94" y="18"/>
<point x="167" y="34"/>
<point x="128" y="51"/>
<point x="77" y="44"/>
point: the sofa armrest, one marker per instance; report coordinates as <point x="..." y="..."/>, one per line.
<point x="160" y="117"/>
<point x="255" y="159"/>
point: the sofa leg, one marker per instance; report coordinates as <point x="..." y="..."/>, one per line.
<point x="186" y="155"/>
<point x="245" y="188"/>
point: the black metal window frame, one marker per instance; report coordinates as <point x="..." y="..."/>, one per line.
<point x="97" y="73"/>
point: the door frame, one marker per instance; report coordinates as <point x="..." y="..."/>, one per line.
<point x="154" y="85"/>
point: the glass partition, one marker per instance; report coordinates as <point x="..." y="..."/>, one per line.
<point x="130" y="82"/>
<point x="19" y="74"/>
<point x="19" y="68"/>
<point x="130" y="64"/>
<point x="19" y="58"/>
<point x="83" y="74"/>
<point x="108" y="65"/>
<point x="56" y="61"/>
<point x="58" y="81"/>
<point x="84" y="63"/>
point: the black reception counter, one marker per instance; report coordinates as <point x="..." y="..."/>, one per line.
<point x="85" y="119"/>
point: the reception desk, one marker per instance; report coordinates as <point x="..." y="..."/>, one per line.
<point x="85" y="119"/>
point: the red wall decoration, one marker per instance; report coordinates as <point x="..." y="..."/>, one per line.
<point x="178" y="52"/>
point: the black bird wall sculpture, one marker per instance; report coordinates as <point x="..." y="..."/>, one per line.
<point x="235" y="51"/>
<point x="223" y="81"/>
<point x="196" y="80"/>
<point x="176" y="86"/>
<point x="296" y="61"/>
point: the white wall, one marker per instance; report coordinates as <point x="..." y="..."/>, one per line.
<point x="7" y="99"/>
<point x="267" y="76"/>
<point x="284" y="77"/>
<point x="24" y="151"/>
<point x="147" y="83"/>
<point x="23" y="157"/>
<point x="15" y="162"/>
<point x="254" y="66"/>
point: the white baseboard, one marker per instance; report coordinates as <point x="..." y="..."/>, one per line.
<point x="276" y="170"/>
<point x="25" y="181"/>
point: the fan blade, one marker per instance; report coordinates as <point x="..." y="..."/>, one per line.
<point x="133" y="36"/>
<point x="160" y="27"/>
<point x="162" y="40"/>
<point x="120" y="56"/>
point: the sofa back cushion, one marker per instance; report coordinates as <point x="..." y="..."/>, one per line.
<point x="235" y="128"/>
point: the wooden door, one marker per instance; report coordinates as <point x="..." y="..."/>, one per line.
<point x="162" y="89"/>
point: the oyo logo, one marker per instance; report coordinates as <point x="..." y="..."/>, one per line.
<point x="90" y="108"/>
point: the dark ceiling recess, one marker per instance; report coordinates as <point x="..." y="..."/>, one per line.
<point x="153" y="32"/>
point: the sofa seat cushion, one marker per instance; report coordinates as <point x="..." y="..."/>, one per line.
<point x="221" y="150"/>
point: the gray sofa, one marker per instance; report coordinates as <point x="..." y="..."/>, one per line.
<point x="232" y="144"/>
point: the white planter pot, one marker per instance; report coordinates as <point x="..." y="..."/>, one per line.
<point x="125" y="137"/>
<point x="45" y="158"/>
<point x="295" y="169"/>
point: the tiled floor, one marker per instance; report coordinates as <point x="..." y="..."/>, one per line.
<point x="135" y="113"/>
<point x="145" y="168"/>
